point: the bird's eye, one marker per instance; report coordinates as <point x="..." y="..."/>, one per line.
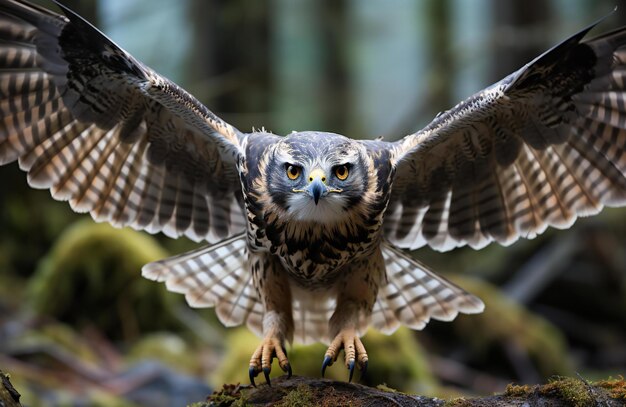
<point x="341" y="172"/>
<point x="293" y="171"/>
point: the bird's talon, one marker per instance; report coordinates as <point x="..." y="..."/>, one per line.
<point x="353" y="348"/>
<point x="327" y="362"/>
<point x="288" y="370"/>
<point x="270" y="348"/>
<point x="364" y="368"/>
<point x="252" y="373"/>
<point x="266" y="373"/>
<point x="351" y="368"/>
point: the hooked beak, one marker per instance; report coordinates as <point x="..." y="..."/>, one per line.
<point x="317" y="189"/>
<point x="317" y="185"/>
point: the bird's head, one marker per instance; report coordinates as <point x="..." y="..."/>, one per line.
<point x="315" y="176"/>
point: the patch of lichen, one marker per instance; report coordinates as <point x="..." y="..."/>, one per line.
<point x="397" y="360"/>
<point x="504" y="322"/>
<point x="99" y="267"/>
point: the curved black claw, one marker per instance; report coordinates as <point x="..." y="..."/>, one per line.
<point x="351" y="368"/>
<point x="252" y="373"/>
<point x="327" y="362"/>
<point x="364" y="369"/>
<point x="266" y="373"/>
<point x="288" y="366"/>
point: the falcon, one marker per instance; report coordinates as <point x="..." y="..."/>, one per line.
<point x="305" y="231"/>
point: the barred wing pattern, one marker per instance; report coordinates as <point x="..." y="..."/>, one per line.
<point x="108" y="134"/>
<point x="413" y="295"/>
<point x="214" y="276"/>
<point x="537" y="149"/>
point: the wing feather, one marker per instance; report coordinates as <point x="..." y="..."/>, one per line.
<point x="109" y="135"/>
<point x="214" y="276"/>
<point x="540" y="148"/>
<point x="413" y="295"/>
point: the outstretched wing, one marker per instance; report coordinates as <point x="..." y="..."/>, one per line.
<point x="105" y="132"/>
<point x="539" y="148"/>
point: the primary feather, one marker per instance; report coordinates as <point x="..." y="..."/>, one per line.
<point x="539" y="148"/>
<point x="109" y="135"/>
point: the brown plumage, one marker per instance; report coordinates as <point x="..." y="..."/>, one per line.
<point x="305" y="231"/>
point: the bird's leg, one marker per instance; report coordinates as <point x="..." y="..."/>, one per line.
<point x="346" y="338"/>
<point x="277" y="320"/>
<point x="356" y="298"/>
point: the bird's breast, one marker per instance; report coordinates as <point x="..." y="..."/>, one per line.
<point x="314" y="255"/>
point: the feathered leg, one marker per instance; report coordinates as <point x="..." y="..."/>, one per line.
<point x="275" y="293"/>
<point x="357" y="293"/>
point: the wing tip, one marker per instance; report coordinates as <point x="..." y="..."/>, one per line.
<point x="153" y="271"/>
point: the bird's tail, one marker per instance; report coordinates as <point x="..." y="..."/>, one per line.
<point x="413" y="295"/>
<point x="214" y="276"/>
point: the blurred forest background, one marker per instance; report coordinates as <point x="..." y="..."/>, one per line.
<point x="78" y="324"/>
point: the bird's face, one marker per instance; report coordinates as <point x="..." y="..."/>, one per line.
<point x="318" y="177"/>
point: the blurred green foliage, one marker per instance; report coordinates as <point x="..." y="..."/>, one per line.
<point x="92" y="277"/>
<point x="505" y="325"/>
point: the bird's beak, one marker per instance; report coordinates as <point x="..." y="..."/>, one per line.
<point x="317" y="185"/>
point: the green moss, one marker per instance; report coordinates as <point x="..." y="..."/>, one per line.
<point x="574" y="391"/>
<point x="581" y="393"/>
<point x="615" y="387"/>
<point x="92" y="276"/>
<point x="457" y="402"/>
<point x="302" y="396"/>
<point x="231" y="395"/>
<point x="517" y="391"/>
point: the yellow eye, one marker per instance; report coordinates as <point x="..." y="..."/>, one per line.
<point x="341" y="172"/>
<point x="293" y="172"/>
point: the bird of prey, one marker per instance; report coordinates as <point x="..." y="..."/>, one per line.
<point x="305" y="231"/>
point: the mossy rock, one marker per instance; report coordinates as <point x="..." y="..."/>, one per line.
<point x="574" y="392"/>
<point x="92" y="276"/>
<point x="303" y="391"/>
<point x="397" y="361"/>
